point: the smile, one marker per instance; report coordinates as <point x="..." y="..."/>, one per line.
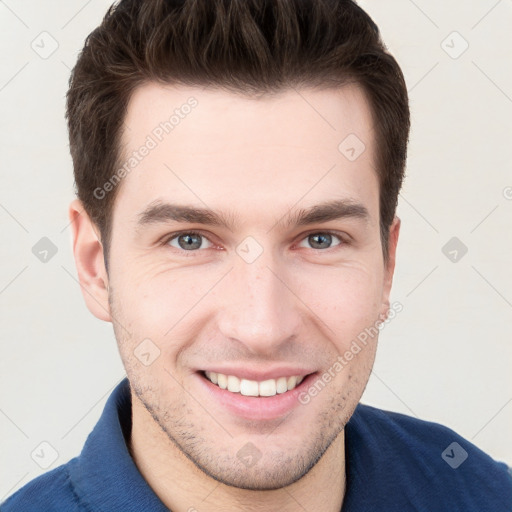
<point x="269" y="387"/>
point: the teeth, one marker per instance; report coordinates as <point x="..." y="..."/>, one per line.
<point x="291" y="382"/>
<point x="246" y="387"/>
<point x="268" y="387"/>
<point x="233" y="384"/>
<point x="281" y="386"/>
<point x="212" y="376"/>
<point x="222" y="381"/>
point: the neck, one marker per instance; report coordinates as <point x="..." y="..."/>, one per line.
<point x="182" y="487"/>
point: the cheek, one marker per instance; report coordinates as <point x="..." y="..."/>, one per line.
<point x="346" y="298"/>
<point x="143" y="292"/>
<point x="161" y="305"/>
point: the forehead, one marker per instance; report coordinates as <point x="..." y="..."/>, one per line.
<point x="232" y="152"/>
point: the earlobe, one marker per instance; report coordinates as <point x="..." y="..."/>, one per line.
<point x="90" y="265"/>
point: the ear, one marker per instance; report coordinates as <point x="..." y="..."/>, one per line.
<point x="389" y="268"/>
<point x="90" y="265"/>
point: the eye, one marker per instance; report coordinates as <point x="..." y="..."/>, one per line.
<point x="191" y="241"/>
<point x="187" y="240"/>
<point x="323" y="240"/>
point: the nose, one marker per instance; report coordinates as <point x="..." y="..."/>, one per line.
<point x="258" y="306"/>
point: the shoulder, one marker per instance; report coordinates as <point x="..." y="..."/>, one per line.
<point x="415" y="432"/>
<point x="51" y="492"/>
<point x="426" y="462"/>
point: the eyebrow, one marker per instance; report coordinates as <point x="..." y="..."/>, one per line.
<point x="158" y="212"/>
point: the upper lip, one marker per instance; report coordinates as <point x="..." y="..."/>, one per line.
<point x="260" y="374"/>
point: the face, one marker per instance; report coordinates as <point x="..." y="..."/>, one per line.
<point x="248" y="296"/>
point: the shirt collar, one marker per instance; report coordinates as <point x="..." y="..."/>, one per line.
<point x="104" y="476"/>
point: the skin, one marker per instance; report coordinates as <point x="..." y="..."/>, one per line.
<point x="258" y="159"/>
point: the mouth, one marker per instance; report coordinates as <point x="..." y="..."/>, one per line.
<point x="253" y="399"/>
<point x="246" y="387"/>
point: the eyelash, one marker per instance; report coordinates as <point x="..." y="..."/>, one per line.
<point x="344" y="241"/>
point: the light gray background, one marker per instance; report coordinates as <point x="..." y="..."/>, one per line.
<point x="445" y="358"/>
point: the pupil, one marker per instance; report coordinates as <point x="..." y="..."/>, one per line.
<point x="192" y="241"/>
<point x="325" y="237"/>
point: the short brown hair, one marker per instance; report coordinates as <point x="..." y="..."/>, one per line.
<point x="244" y="46"/>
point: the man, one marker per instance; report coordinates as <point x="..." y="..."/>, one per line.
<point x="238" y="166"/>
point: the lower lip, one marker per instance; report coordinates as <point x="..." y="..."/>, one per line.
<point x="254" y="407"/>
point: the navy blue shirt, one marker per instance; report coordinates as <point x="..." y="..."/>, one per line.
<point x="393" y="463"/>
